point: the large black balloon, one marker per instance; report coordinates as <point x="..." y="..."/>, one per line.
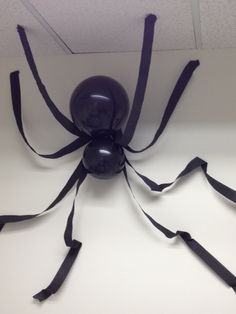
<point x="98" y="105"/>
<point x="103" y="158"/>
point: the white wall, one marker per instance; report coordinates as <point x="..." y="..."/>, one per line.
<point x="125" y="266"/>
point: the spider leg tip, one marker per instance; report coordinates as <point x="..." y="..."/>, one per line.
<point x="19" y="27"/>
<point x="151" y="17"/>
<point x="13" y="73"/>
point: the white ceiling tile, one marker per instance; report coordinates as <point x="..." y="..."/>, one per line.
<point x="218" y="23"/>
<point x="117" y="25"/>
<point x="12" y="13"/>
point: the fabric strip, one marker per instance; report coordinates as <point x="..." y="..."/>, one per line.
<point x="63" y="120"/>
<point x="192" y="244"/>
<point x="195" y="163"/>
<point x="16" y="103"/>
<point x="68" y="186"/>
<point x="172" y="103"/>
<point x="70" y="258"/>
<point x="142" y="80"/>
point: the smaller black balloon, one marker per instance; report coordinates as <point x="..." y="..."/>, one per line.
<point x="98" y="105"/>
<point x="103" y="158"/>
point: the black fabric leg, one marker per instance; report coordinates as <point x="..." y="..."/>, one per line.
<point x="142" y="80"/>
<point x="16" y="103"/>
<point x="63" y="120"/>
<point x="79" y="171"/>
<point x="172" y="103"/>
<point x="194" y="164"/>
<point x="193" y="245"/>
<point x="74" y="248"/>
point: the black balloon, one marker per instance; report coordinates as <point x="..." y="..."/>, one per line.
<point x="103" y="158"/>
<point x="98" y="105"/>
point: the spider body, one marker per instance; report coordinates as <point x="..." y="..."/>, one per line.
<point x="103" y="158"/>
<point x="99" y="106"/>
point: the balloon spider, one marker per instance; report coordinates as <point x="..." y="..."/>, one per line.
<point x="99" y="106"/>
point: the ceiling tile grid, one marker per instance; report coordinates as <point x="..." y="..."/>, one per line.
<point x="12" y="12"/>
<point x="111" y="25"/>
<point x="218" y="23"/>
<point x="57" y="27"/>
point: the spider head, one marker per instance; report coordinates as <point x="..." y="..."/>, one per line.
<point x="99" y="105"/>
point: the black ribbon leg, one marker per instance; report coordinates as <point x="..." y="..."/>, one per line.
<point x="194" y="164"/>
<point x="142" y="80"/>
<point x="63" y="120"/>
<point x="70" y="258"/>
<point x="208" y="259"/>
<point x="68" y="186"/>
<point x="16" y="104"/>
<point x="195" y="246"/>
<point x="172" y="103"/>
